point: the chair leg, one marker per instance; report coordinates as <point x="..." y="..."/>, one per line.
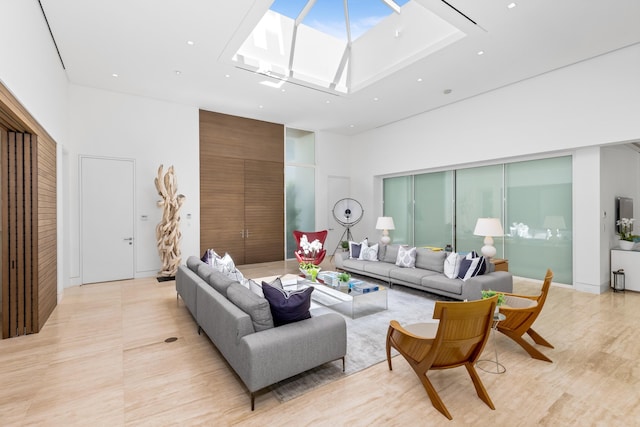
<point x="389" y="349"/>
<point x="538" y="339"/>
<point x="477" y="383"/>
<point x="433" y="394"/>
<point x="533" y="352"/>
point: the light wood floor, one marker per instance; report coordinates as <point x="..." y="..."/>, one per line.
<point x="101" y="359"/>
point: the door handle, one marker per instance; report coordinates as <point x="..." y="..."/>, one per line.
<point x="129" y="239"/>
<point x="247" y="234"/>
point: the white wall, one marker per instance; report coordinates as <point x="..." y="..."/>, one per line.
<point x="588" y="104"/>
<point x="108" y="124"/>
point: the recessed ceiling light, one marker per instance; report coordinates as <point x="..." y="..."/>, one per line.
<point x="511" y="5"/>
<point x="190" y="42"/>
<point x="178" y="72"/>
<point x="481" y="52"/>
<point x="351" y="126"/>
<point x="327" y="102"/>
<point x="227" y="75"/>
<point x="114" y="75"/>
<point x="420" y="79"/>
<point x="283" y="90"/>
<point x="376" y="98"/>
<point x="260" y="106"/>
<point x="447" y="91"/>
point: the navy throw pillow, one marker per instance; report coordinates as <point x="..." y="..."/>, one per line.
<point x="287" y="306"/>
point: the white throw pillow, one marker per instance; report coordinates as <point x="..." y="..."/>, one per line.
<point x="369" y="253"/>
<point x="452" y="265"/>
<point x="406" y="257"/>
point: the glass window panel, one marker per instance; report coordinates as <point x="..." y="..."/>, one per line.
<point x="300" y="146"/>
<point x="539" y="217"/>
<point x="478" y="195"/>
<point x="398" y="204"/>
<point x="433" y="209"/>
<point x="300" y="203"/>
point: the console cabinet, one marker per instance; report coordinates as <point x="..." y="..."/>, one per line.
<point x="629" y="261"/>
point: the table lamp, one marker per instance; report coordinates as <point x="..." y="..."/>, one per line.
<point x="488" y="227"/>
<point x="385" y="223"/>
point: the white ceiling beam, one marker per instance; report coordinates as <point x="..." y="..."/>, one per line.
<point x="393" y="5"/>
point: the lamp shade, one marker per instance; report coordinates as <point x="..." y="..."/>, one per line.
<point x="488" y="227"/>
<point x="555" y="222"/>
<point x="385" y="223"/>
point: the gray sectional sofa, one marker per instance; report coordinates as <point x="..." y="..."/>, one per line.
<point x="239" y="324"/>
<point x="427" y="275"/>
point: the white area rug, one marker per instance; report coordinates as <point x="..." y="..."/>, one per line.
<point x="366" y="338"/>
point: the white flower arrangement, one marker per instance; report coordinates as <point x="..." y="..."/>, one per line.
<point x="626" y="226"/>
<point x="309" y="250"/>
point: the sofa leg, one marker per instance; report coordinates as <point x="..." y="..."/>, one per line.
<point x="342" y="363"/>
<point x="253" y="401"/>
<point x="199" y="329"/>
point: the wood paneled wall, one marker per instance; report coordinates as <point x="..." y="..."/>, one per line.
<point x="241" y="187"/>
<point x="42" y="236"/>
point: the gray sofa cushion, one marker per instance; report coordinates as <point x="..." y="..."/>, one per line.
<point x="355" y="264"/>
<point x="204" y="270"/>
<point x="193" y="262"/>
<point x="380" y="268"/>
<point x="411" y="275"/>
<point x="430" y="260"/>
<point x="255" y="306"/>
<point x="219" y="281"/>
<point x="443" y="283"/>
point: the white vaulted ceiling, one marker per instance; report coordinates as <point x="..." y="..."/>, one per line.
<point x="146" y="43"/>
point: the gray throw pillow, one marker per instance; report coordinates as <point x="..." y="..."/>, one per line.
<point x="391" y="254"/>
<point x="255" y="306"/>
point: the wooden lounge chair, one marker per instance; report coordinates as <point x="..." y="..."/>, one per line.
<point x="521" y="311"/>
<point x="456" y="340"/>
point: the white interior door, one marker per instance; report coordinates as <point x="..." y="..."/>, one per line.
<point x="338" y="188"/>
<point x="107" y="216"/>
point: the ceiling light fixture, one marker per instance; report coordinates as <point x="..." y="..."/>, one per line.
<point x="376" y="98"/>
<point x="178" y="72"/>
<point x="480" y="52"/>
<point x="511" y="5"/>
<point x="190" y="42"/>
<point x="114" y="75"/>
<point x="351" y="126"/>
<point x="260" y="106"/>
<point x="227" y="75"/>
<point x="420" y="79"/>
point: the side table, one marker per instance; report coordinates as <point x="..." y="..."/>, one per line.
<point x="500" y="264"/>
<point x="493" y="366"/>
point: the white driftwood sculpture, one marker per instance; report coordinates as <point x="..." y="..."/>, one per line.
<point x="168" y="230"/>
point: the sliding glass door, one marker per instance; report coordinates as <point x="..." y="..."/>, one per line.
<point x="532" y="199"/>
<point x="539" y="218"/>
<point x="478" y="195"/>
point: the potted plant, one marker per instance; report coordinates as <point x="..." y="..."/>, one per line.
<point x="344" y="245"/>
<point x="490" y="293"/>
<point x="343" y="279"/>
<point x="310" y="270"/>
<point x="627" y="240"/>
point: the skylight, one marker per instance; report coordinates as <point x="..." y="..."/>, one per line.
<point x="342" y="45"/>
<point x="328" y="16"/>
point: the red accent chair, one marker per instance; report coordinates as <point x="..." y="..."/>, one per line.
<point x="311" y="236"/>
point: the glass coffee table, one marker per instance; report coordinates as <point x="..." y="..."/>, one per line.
<point x="349" y="302"/>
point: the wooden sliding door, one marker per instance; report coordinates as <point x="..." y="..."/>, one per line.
<point x="19" y="314"/>
<point x="29" y="219"/>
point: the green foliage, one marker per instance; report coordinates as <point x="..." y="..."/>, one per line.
<point x="490" y="293"/>
<point x="344" y="244"/>
<point x="344" y="276"/>
<point x="308" y="266"/>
